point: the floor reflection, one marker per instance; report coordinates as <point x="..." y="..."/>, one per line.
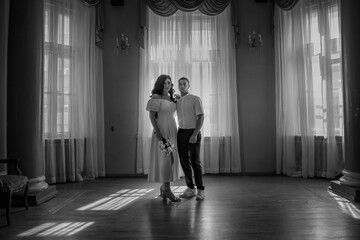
<point x="348" y="207"/>
<point x="116" y="200"/>
<point x="181" y="218"/>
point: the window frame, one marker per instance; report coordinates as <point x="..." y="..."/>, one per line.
<point x="57" y="52"/>
<point x="333" y="62"/>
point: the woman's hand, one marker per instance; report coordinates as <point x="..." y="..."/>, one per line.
<point x="158" y="136"/>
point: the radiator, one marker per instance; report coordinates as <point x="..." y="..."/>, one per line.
<point x="320" y="152"/>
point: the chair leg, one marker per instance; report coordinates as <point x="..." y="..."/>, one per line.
<point x="8" y="207"/>
<point x="26" y="195"/>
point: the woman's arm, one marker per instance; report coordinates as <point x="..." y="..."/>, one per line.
<point x="152" y="115"/>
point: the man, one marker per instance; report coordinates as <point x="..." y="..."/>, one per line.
<point x="190" y="116"/>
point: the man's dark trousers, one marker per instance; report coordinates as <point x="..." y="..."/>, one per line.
<point x="189" y="154"/>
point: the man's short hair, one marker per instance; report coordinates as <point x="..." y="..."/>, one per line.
<point x="184" y="78"/>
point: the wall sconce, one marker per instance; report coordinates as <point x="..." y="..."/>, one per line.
<point x="255" y="40"/>
<point x="123" y="45"/>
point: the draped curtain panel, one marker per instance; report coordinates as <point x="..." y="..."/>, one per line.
<point x="188" y="44"/>
<point x="309" y="105"/>
<point x="286" y="5"/>
<point x="73" y="97"/>
<point x="99" y="26"/>
<point x="169" y="7"/>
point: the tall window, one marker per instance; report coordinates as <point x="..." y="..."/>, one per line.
<point x="190" y="50"/>
<point x="325" y="50"/>
<point x="309" y="89"/>
<point x="201" y="48"/>
<point x="72" y="105"/>
<point x="57" y="67"/>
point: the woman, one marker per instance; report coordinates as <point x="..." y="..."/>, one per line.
<point x="163" y="167"/>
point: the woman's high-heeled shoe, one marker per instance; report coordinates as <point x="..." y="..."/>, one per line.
<point x="161" y="191"/>
<point x="168" y="194"/>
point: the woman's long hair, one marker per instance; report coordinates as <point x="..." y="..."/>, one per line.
<point x="159" y="86"/>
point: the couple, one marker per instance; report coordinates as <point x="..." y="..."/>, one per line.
<point x="190" y="115"/>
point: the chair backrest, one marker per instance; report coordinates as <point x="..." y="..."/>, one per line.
<point x="12" y="166"/>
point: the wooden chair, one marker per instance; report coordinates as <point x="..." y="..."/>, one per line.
<point x="11" y="183"/>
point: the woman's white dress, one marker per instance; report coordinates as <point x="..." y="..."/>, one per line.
<point x="162" y="168"/>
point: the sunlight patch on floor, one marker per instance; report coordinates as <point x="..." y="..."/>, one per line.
<point x="347" y="206"/>
<point x="115" y="201"/>
<point x="56" y="229"/>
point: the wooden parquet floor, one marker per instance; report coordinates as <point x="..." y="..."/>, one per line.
<point x="235" y="207"/>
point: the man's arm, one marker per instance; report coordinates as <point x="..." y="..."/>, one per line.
<point x="199" y="123"/>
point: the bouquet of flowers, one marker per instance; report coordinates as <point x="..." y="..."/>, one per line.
<point x="166" y="147"/>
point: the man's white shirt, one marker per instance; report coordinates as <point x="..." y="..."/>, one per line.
<point x="187" y="109"/>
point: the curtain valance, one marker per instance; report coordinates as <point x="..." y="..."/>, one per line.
<point x="286" y="5"/>
<point x="169" y="7"/>
<point x="91" y="2"/>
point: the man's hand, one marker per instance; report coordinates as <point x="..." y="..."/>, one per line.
<point x="193" y="139"/>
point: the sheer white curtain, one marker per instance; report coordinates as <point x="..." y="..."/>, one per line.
<point x="202" y="49"/>
<point x="309" y="89"/>
<point x="73" y="99"/>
